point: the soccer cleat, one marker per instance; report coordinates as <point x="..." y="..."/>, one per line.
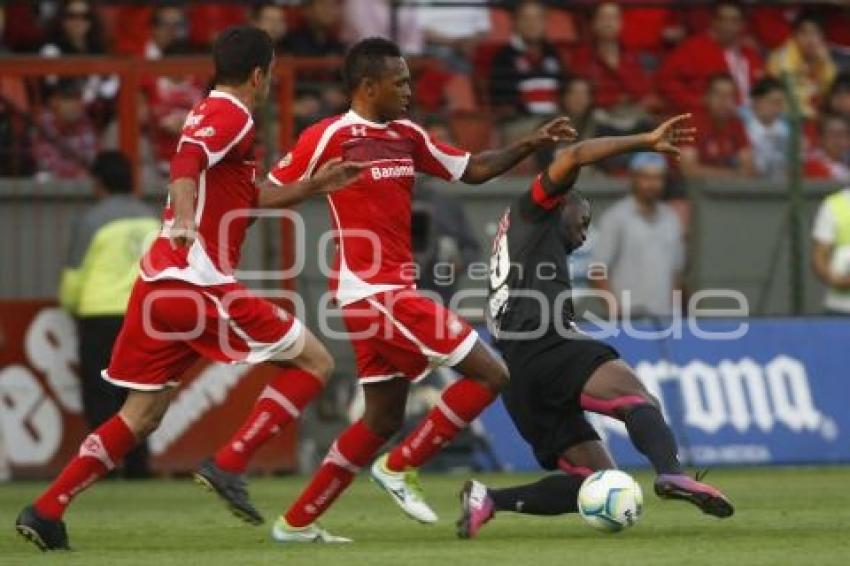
<point x="44" y="533"/>
<point x="476" y="507"/>
<point x="704" y="496"/>
<point x="231" y="488"/>
<point x="405" y="490"/>
<point x="282" y="532"/>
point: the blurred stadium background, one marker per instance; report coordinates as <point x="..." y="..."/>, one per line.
<point x="768" y="83"/>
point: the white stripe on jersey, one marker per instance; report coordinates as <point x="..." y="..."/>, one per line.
<point x="454" y="164"/>
<point x="214" y="157"/>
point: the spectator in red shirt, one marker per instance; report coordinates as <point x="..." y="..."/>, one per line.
<point x="618" y="80"/>
<point x="722" y="148"/>
<point x="651" y="28"/>
<point x="64" y="142"/>
<point x="687" y="70"/>
<point x="830" y="159"/>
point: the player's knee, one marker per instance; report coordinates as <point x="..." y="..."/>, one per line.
<point x="497" y="378"/>
<point x="144" y="424"/>
<point x="320" y="363"/>
<point x="324" y="365"/>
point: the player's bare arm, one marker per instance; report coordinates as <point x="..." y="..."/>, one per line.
<point x="333" y="176"/>
<point x="492" y="163"/>
<point x="666" y="138"/>
<point x="182" y="195"/>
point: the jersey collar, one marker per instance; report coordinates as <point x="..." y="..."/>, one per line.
<point x="357" y="118"/>
<point x="231" y="98"/>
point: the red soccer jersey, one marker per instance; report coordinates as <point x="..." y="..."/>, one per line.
<point x="372" y="216"/>
<point x="223" y="127"/>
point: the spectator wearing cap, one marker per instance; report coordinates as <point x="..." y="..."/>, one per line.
<point x="806" y="59"/>
<point x="686" y="72"/>
<point x="829" y="159"/>
<point x="621" y="85"/>
<point x="722" y="148"/>
<point x="767" y="128"/>
<point x="831" y="251"/>
<point x="639" y="241"/>
<point x="102" y="264"/>
<point x="64" y="141"/>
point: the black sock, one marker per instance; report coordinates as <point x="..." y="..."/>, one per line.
<point x="653" y="438"/>
<point x="553" y="495"/>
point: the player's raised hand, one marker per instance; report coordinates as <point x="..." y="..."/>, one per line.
<point x="558" y="130"/>
<point x="669" y="136"/>
<point x="336" y="174"/>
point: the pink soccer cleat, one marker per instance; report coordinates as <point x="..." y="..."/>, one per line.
<point x="680" y="486"/>
<point x="476" y="509"/>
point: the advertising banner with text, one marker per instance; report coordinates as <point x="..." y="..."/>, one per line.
<point x="41" y="411"/>
<point x="769" y="391"/>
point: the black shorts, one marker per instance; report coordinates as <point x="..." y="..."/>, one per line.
<point x="543" y="396"/>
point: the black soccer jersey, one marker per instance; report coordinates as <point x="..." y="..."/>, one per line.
<point x="529" y="288"/>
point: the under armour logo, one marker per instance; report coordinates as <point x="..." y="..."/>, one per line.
<point x="359" y="131"/>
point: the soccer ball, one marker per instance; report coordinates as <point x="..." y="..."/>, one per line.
<point x="610" y="500"/>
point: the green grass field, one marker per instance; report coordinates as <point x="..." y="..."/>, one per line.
<point x="783" y="516"/>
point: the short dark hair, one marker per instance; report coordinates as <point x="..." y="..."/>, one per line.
<point x="239" y="50"/>
<point x="808" y="16"/>
<point x="366" y="60"/>
<point x="114" y="171"/>
<point x="765" y="86"/>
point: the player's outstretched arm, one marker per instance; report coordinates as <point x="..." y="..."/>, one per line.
<point x="492" y="163"/>
<point x="666" y="138"/>
<point x="332" y="176"/>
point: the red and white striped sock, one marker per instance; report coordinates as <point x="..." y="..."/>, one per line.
<point x="99" y="453"/>
<point x="354" y="448"/>
<point x="280" y="403"/>
<point x="460" y="404"/>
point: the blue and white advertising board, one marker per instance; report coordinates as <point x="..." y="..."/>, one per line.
<point x="779" y="393"/>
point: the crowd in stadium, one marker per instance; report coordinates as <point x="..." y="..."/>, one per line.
<point x="612" y="67"/>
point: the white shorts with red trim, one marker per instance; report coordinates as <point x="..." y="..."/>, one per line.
<point x="171" y="324"/>
<point x="402" y="333"/>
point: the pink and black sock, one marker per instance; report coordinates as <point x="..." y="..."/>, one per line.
<point x="646" y="427"/>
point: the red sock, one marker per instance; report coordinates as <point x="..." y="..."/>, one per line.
<point x="460" y="404"/>
<point x="280" y="403"/>
<point x="352" y="450"/>
<point x="99" y="453"/>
